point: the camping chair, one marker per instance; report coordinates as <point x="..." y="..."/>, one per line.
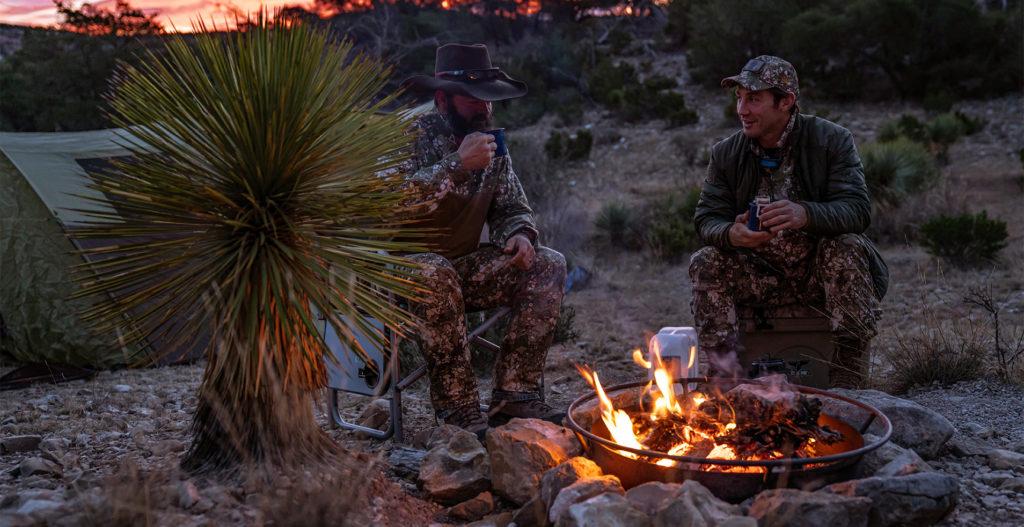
<point x="351" y="375"/>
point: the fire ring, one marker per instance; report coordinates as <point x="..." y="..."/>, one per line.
<point x="730" y="486"/>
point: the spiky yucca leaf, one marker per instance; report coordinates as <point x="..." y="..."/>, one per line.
<point x="262" y="187"/>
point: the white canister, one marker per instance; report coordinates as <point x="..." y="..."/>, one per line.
<point x="675" y="345"/>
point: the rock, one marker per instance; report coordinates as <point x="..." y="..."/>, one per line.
<point x="1000" y="459"/>
<point x="532" y="514"/>
<point x="33" y="506"/>
<point x="406" y="462"/>
<point x="962" y="446"/>
<point x="1013" y="485"/>
<point x="650" y="496"/>
<point x="917" y="499"/>
<point x="798" y="508"/>
<point x="473" y="509"/>
<point x="994" y="479"/>
<point x="974" y="429"/>
<point x="1017" y="447"/>
<point x="55" y="445"/>
<point x="375" y="415"/>
<point x="13" y="444"/>
<point x="904" y="464"/>
<point x="82" y="440"/>
<point x="522" y="451"/>
<point x="122" y="388"/>
<point x="737" y="521"/>
<point x="455" y="470"/>
<point x="914" y="426"/>
<point x="107" y="437"/>
<point x="693" y="504"/>
<point x="882" y="456"/>
<point x="166" y="447"/>
<point x="606" y="510"/>
<point x="565" y="474"/>
<point x="34" y="465"/>
<point x="496" y="520"/>
<point x="580" y="491"/>
<point x="188" y="494"/>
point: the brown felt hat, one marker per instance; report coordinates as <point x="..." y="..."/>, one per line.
<point x="466" y="69"/>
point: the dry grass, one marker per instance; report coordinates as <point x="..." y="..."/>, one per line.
<point x="129" y="499"/>
<point x="939" y="354"/>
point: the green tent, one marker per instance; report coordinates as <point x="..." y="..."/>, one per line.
<point x="43" y="176"/>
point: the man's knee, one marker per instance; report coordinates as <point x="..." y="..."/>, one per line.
<point x="706" y="265"/>
<point x="549" y="265"/>
<point x="846" y="251"/>
<point x="438" y="276"/>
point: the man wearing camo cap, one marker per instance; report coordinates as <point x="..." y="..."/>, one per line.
<point x="809" y="246"/>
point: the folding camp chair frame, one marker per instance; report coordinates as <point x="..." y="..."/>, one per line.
<point x="398" y="384"/>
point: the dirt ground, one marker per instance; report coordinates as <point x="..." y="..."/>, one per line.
<point x="630" y="296"/>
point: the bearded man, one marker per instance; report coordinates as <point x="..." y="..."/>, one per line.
<point x="809" y="245"/>
<point x="462" y="185"/>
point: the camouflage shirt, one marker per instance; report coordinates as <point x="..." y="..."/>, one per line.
<point x="459" y="202"/>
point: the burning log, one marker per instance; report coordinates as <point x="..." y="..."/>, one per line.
<point x="772" y="420"/>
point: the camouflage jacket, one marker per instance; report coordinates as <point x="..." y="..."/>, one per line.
<point x="458" y="202"/>
<point x="830" y="178"/>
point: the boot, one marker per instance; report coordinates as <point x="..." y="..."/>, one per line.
<point x="469" y="418"/>
<point x="849" y="362"/>
<point x="502" y="411"/>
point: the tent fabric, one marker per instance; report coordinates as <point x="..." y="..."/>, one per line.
<point x="42" y="177"/>
<point x="48" y="161"/>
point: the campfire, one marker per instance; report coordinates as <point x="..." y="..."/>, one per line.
<point x="735" y="437"/>
<point x="768" y="420"/>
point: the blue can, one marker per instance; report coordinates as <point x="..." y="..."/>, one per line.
<point x="499" y="141"/>
<point x="753" y="223"/>
<point x="754" y="219"/>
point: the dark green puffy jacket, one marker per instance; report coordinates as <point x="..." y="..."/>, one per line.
<point x="831" y="176"/>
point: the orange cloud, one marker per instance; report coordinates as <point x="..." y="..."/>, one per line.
<point x="172" y="14"/>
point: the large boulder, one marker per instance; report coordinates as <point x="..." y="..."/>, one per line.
<point x="894" y="459"/>
<point x="605" y="510"/>
<point x="455" y="469"/>
<point x="568" y="472"/>
<point x="649" y="497"/>
<point x="580" y="491"/>
<point x="14" y="444"/>
<point x="798" y="508"/>
<point x="913" y="426"/>
<point x="917" y="499"/>
<point x="522" y="451"/>
<point x="693" y="504"/>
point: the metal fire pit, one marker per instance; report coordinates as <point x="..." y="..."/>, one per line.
<point x="803" y="473"/>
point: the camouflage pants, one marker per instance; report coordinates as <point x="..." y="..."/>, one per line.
<point x="833" y="275"/>
<point x="485" y="280"/>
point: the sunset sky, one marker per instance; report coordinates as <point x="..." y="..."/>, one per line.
<point x="172" y="12"/>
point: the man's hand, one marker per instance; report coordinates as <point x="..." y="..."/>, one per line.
<point x="477" y="150"/>
<point x="741" y="236"/>
<point x="783" y="214"/>
<point x="522" y="250"/>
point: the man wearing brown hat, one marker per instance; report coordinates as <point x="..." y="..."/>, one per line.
<point x="806" y="245"/>
<point x="463" y="179"/>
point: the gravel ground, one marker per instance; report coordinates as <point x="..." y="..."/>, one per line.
<point x="985" y="414"/>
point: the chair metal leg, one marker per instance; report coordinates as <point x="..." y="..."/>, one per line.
<point x="337" y="421"/>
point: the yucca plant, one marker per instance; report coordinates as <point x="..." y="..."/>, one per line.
<point x="262" y="191"/>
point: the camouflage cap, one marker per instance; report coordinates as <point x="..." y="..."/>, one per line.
<point x="765" y="72"/>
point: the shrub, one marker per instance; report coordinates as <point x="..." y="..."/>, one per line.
<point x="969" y="125"/>
<point x="616" y="223"/>
<point x="570" y="147"/>
<point x="565" y="329"/>
<point x="942" y="354"/>
<point x="619" y="41"/>
<point x="607" y="81"/>
<point x="906" y="126"/>
<point x="896" y="168"/>
<point x="940" y="101"/>
<point x="964" y="239"/>
<point x="617" y="88"/>
<point x="669" y="231"/>
<point x="942" y="132"/>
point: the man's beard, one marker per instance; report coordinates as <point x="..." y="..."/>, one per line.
<point x="463" y="127"/>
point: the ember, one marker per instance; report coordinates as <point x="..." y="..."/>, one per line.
<point x="762" y="420"/>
